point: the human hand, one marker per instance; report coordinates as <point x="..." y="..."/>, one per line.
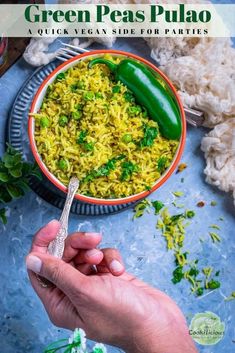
<point x="111" y="306"/>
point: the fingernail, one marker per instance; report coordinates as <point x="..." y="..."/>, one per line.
<point x="53" y="221"/>
<point x="92" y="234"/>
<point x="116" y="266"/>
<point x="33" y="263"/>
<point x="92" y="253"/>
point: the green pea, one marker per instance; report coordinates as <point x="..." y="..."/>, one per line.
<point x="126" y="138"/>
<point x="116" y="89"/>
<point x="63" y="120"/>
<point x="44" y="122"/>
<point x="76" y="115"/>
<point x="88" y="96"/>
<point x="63" y="164"/>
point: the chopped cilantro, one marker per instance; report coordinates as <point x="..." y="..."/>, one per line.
<point x="89" y="146"/>
<point x="103" y="170"/>
<point x="82" y="137"/>
<point x="158" y="205"/>
<point x="128" y="168"/>
<point x="150" y="133"/>
<point x="126" y="138"/>
<point x="212" y="284"/>
<point x="178" y="274"/>
<point x="129" y="97"/>
<point x="60" y="76"/>
<point x="161" y="164"/>
<point x="116" y="89"/>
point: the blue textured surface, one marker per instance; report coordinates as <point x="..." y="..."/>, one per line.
<point x="24" y="326"/>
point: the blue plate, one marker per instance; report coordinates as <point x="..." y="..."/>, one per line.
<point x="17" y="136"/>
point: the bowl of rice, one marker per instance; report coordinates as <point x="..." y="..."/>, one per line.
<point x="83" y="123"/>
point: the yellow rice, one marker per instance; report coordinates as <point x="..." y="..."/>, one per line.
<point x="106" y="120"/>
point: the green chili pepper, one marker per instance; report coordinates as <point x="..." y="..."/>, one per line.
<point x="148" y="92"/>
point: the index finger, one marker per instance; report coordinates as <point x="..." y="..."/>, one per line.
<point x="44" y="236"/>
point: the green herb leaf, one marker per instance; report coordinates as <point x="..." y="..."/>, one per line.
<point x="60" y="76"/>
<point x="199" y="291"/>
<point x="128" y="168"/>
<point x="5" y="197"/>
<point x="14" y="191"/>
<point x="178" y="275"/>
<point x="4" y="177"/>
<point x="17" y="171"/>
<point x="103" y="170"/>
<point x="129" y="96"/>
<point x="3" y="215"/>
<point x="116" y="89"/>
<point x="150" y="133"/>
<point x="212" y="284"/>
<point x="161" y="164"/>
<point x="82" y="137"/>
<point x="158" y="205"/>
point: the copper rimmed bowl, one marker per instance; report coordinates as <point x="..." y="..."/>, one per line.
<point x="37" y="102"/>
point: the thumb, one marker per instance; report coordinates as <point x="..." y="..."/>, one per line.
<point x="64" y="276"/>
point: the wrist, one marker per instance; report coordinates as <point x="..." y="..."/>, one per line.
<point x="166" y="340"/>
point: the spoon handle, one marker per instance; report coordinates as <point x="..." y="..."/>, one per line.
<point x="56" y="247"/>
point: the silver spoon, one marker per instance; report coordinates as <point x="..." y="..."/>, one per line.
<point x="56" y="246"/>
